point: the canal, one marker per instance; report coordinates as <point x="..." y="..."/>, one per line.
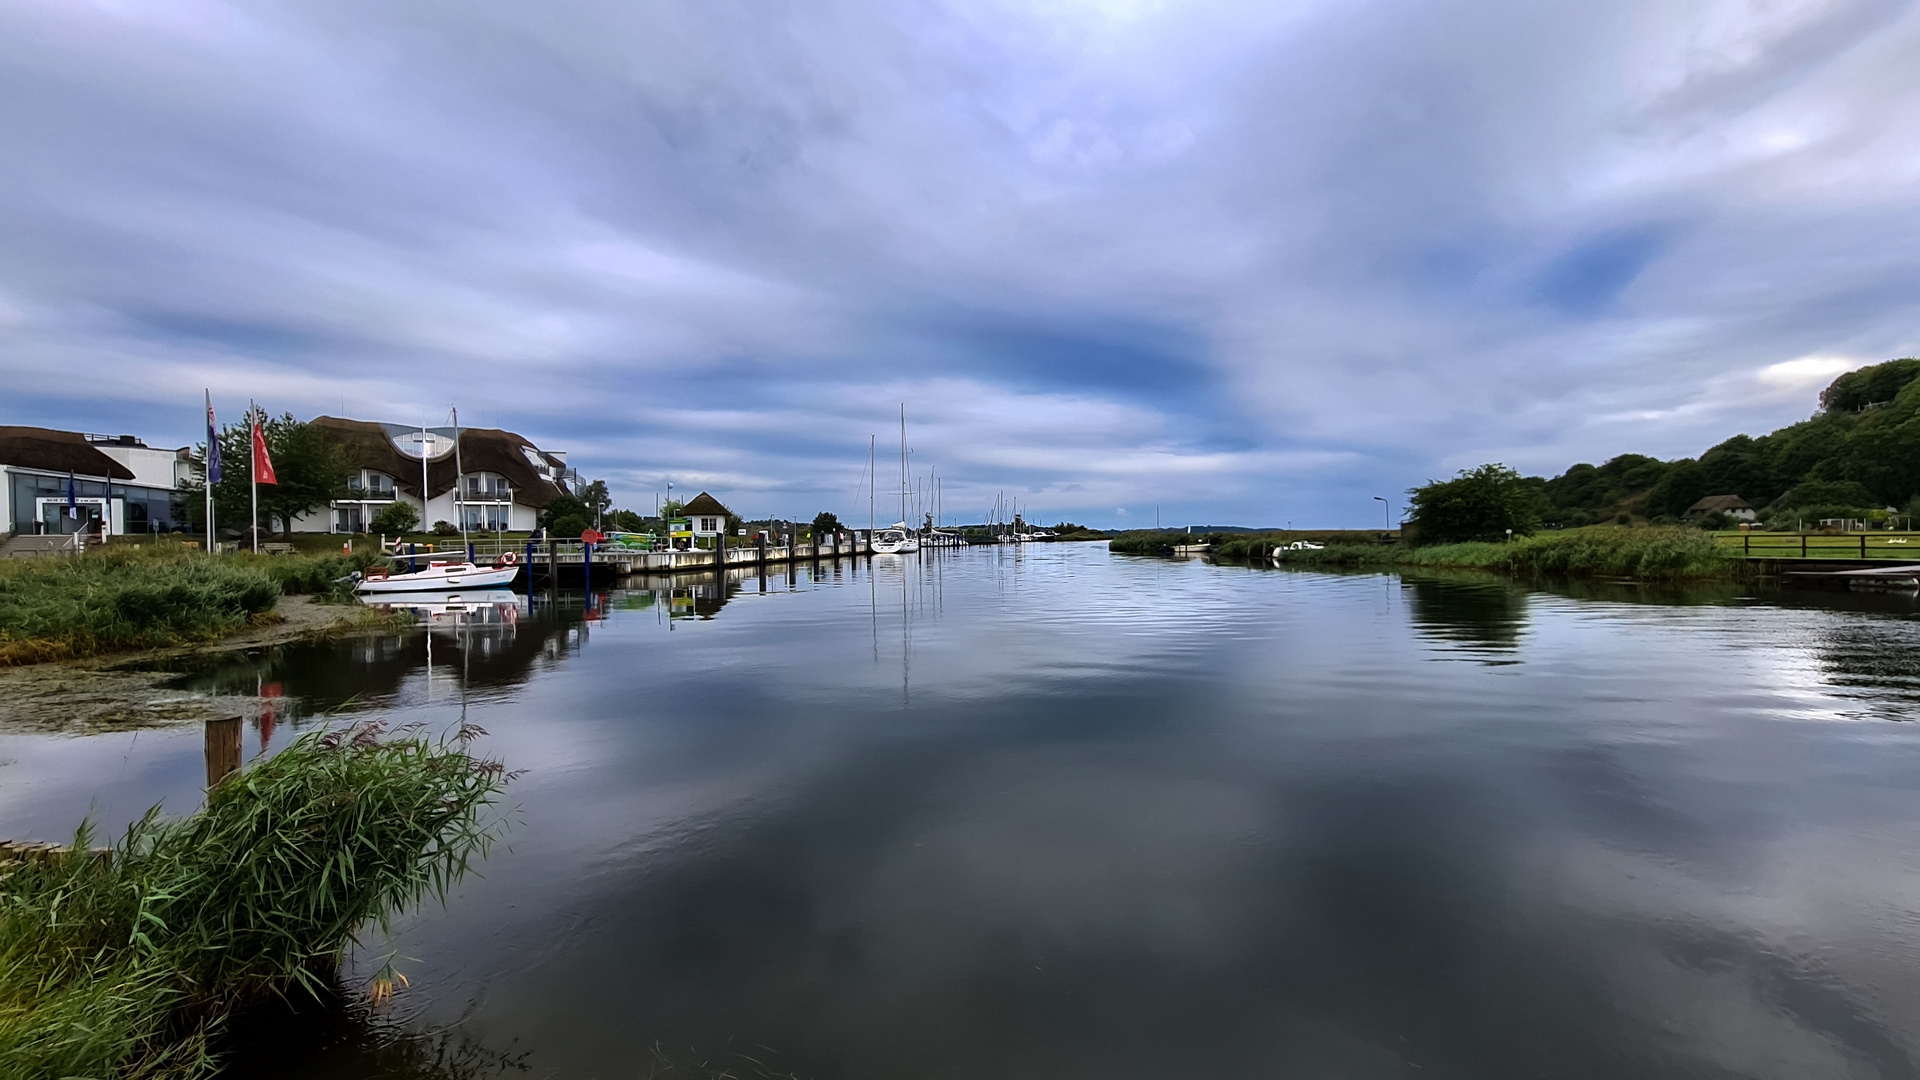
<point x="1050" y="812"/>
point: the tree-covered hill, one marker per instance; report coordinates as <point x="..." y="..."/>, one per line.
<point x="1860" y="450"/>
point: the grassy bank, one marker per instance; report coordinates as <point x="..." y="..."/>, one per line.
<point x="145" y="596"/>
<point x="123" y="967"/>
<point x="1237" y="544"/>
<point x="1649" y="553"/>
<point x="1664" y="554"/>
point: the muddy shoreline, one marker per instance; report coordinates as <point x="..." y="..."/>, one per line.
<point x="131" y="689"/>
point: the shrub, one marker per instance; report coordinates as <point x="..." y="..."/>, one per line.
<point x="396" y="518"/>
<point x="445" y="528"/>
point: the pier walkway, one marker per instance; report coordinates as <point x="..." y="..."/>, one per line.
<point x="551" y="558"/>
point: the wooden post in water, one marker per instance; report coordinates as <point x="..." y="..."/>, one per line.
<point x="1803" y="545"/>
<point x="720" y="550"/>
<point x="761" y="541"/>
<point x="223" y="749"/>
<point x="553" y="563"/>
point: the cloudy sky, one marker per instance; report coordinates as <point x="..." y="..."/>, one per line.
<point x="1254" y="261"/>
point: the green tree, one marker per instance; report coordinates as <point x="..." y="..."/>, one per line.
<point x="311" y="472"/>
<point x="626" y="521"/>
<point x="1479" y="504"/>
<point x="826" y="521"/>
<point x="566" y="517"/>
<point x="1871" y="385"/>
<point x="396" y="518"/>
<point x="596" y="499"/>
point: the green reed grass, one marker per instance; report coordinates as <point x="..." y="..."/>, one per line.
<point x="1662" y="554"/>
<point x="146" y="596"/>
<point x="122" y="967"/>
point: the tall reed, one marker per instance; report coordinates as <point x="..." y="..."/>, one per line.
<point x="121" y="967"/>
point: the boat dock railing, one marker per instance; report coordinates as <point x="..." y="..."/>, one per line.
<point x="555" y="556"/>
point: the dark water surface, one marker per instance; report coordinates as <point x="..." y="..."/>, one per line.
<point x="1055" y="813"/>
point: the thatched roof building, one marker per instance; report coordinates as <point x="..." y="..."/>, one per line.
<point x="57" y="451"/>
<point x="537" y="476"/>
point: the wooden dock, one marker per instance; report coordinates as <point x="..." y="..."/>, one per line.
<point x="552" y="559"/>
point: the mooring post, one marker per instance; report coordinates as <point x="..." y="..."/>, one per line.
<point x="720" y="550"/>
<point x="553" y="562"/>
<point x="586" y="572"/>
<point x="470" y="561"/>
<point x="529" y="568"/>
<point x="223" y="749"/>
<point x="762" y="543"/>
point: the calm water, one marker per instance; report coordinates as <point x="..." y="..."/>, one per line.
<point x="1056" y="813"/>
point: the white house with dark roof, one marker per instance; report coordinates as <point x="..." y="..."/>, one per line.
<point x="117" y="480"/>
<point x="706" y="517"/>
<point x="1731" y="505"/>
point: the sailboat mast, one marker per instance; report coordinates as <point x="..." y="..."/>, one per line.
<point x="423" y="481"/>
<point x="872" y="444"/>
<point x="460" y="480"/>
<point x="903" y="463"/>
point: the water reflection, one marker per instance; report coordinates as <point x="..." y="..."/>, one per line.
<point x="1485" y="614"/>
<point x="1038" y="812"/>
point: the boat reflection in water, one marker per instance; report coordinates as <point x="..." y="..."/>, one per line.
<point x="469" y="607"/>
<point x="480" y="620"/>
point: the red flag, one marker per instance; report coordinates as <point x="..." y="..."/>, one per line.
<point x="262" y="464"/>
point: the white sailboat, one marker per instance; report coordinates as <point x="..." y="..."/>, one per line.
<point x="895" y="540"/>
<point x="899" y="539"/>
<point x="439" y="575"/>
<point x="442" y="574"/>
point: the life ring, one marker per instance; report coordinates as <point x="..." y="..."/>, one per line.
<point x="507" y="559"/>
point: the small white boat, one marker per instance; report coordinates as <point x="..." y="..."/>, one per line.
<point x="1299" y="545"/>
<point x="895" y="541"/>
<point x="440" y="575"/>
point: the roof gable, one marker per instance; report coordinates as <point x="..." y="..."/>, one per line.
<point x="704" y="503"/>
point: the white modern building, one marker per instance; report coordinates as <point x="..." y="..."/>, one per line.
<point x="61" y="482"/>
<point x="496" y="482"/>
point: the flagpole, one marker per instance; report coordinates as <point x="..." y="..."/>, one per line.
<point x="207" y="469"/>
<point x="253" y="474"/>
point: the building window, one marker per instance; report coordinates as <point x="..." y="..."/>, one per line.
<point x="486" y="518"/>
<point x="707" y="525"/>
<point x="488" y="487"/>
<point x="349" y="519"/>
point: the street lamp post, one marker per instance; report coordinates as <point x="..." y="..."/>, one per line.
<point x="1389" y="506"/>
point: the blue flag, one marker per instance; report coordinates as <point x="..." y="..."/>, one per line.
<point x="213" y="445"/>
<point x="73" y="507"/>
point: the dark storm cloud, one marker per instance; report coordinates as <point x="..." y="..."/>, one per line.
<point x="1249" y="261"/>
